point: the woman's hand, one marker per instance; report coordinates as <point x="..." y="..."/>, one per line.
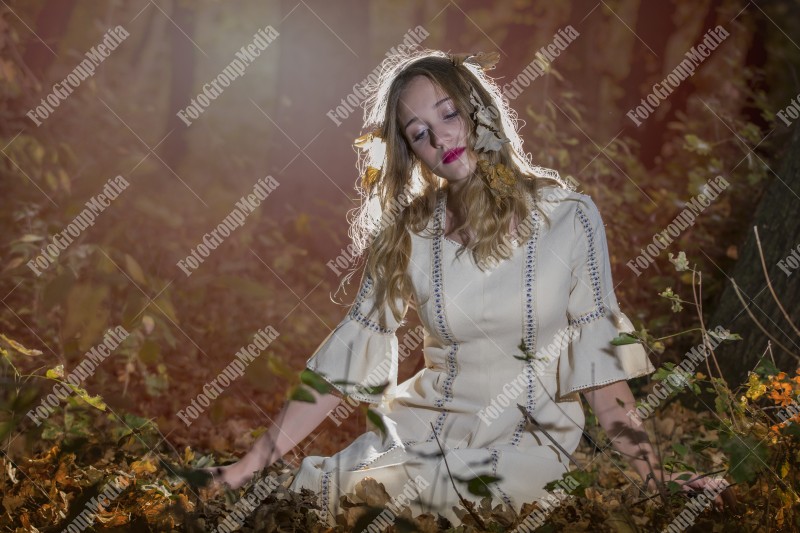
<point x="691" y="482"/>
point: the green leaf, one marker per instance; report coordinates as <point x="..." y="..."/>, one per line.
<point x="55" y="372"/>
<point x="674" y="487"/>
<point x="376" y="419"/>
<point x="720" y="406"/>
<point x="94" y="401"/>
<point x="747" y="455"/>
<point x="767" y="368"/>
<point x="578" y="479"/>
<point x="624" y="338"/>
<point x="696" y="144"/>
<point x="724" y="336"/>
<point x="315" y="381"/>
<point x="479" y="486"/>
<point x="301" y="394"/>
<point x="679" y="448"/>
<point x="663" y="372"/>
<point x="377" y="389"/>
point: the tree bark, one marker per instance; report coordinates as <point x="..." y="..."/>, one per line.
<point x="51" y="25"/>
<point x="182" y="68"/>
<point x="779" y="232"/>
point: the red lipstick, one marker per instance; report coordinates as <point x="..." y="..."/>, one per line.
<point x="451" y="155"/>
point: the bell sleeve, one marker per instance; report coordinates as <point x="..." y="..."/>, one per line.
<point x="361" y="354"/>
<point x="594" y="317"/>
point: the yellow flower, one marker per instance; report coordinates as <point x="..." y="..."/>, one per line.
<point x="755" y="388"/>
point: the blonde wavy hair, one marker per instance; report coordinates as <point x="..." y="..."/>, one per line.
<point x="401" y="194"/>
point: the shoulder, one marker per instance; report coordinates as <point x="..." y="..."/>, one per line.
<point x="576" y="214"/>
<point x="566" y="204"/>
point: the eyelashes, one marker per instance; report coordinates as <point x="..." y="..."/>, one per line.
<point x="446" y="117"/>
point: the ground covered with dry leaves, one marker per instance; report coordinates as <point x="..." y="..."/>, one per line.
<point x="125" y="470"/>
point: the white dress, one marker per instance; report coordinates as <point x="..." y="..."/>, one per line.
<point x="555" y="292"/>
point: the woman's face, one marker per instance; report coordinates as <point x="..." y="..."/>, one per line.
<point x="435" y="131"/>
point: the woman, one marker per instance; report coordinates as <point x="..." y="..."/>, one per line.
<point x="525" y="318"/>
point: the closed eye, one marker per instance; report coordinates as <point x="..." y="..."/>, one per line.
<point x="446" y="117"/>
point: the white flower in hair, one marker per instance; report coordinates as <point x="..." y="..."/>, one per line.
<point x="488" y="137"/>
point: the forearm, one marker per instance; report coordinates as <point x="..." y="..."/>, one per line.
<point x="294" y="423"/>
<point x="611" y="405"/>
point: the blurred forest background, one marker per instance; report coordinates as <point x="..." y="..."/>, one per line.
<point x="273" y="270"/>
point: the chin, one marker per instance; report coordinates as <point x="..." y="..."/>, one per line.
<point x="455" y="179"/>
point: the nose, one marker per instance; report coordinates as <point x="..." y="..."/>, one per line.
<point x="435" y="138"/>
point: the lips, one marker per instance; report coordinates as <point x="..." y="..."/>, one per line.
<point x="452" y="155"/>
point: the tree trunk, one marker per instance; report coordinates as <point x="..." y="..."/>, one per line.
<point x="779" y="232"/>
<point x="182" y="69"/>
<point x="51" y="25"/>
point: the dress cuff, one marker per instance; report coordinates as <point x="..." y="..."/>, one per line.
<point x="591" y="361"/>
<point x="354" y="359"/>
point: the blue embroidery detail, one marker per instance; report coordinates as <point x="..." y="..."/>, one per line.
<point x="451" y="374"/>
<point x="355" y="311"/>
<point x="364" y="464"/>
<point x="324" y="498"/>
<point x="594" y="277"/>
<point x="440" y="319"/>
<point x="530" y="323"/>
<point x="495" y="457"/>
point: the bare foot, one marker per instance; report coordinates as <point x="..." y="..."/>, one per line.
<point x="234" y="475"/>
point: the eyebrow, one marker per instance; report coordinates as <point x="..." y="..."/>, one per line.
<point x="434" y="105"/>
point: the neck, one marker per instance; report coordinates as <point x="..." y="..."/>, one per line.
<point x="453" y="192"/>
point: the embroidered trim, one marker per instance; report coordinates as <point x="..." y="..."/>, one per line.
<point x="440" y="319"/>
<point x="587" y="388"/>
<point x="452" y="369"/>
<point x="529" y="276"/>
<point x="341" y="388"/>
<point x="364" y="464"/>
<point x="355" y="311"/>
<point x="495" y="457"/>
<point x="594" y="277"/>
<point x="324" y="497"/>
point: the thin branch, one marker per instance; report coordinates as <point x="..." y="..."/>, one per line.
<point x="754" y="319"/>
<point x="769" y="283"/>
<point x="467" y="505"/>
<point x="530" y="419"/>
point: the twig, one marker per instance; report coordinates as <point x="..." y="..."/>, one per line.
<point x="467" y="505"/>
<point x="769" y="283"/>
<point x="754" y="319"/>
<point x="530" y="419"/>
<point x="707" y="345"/>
